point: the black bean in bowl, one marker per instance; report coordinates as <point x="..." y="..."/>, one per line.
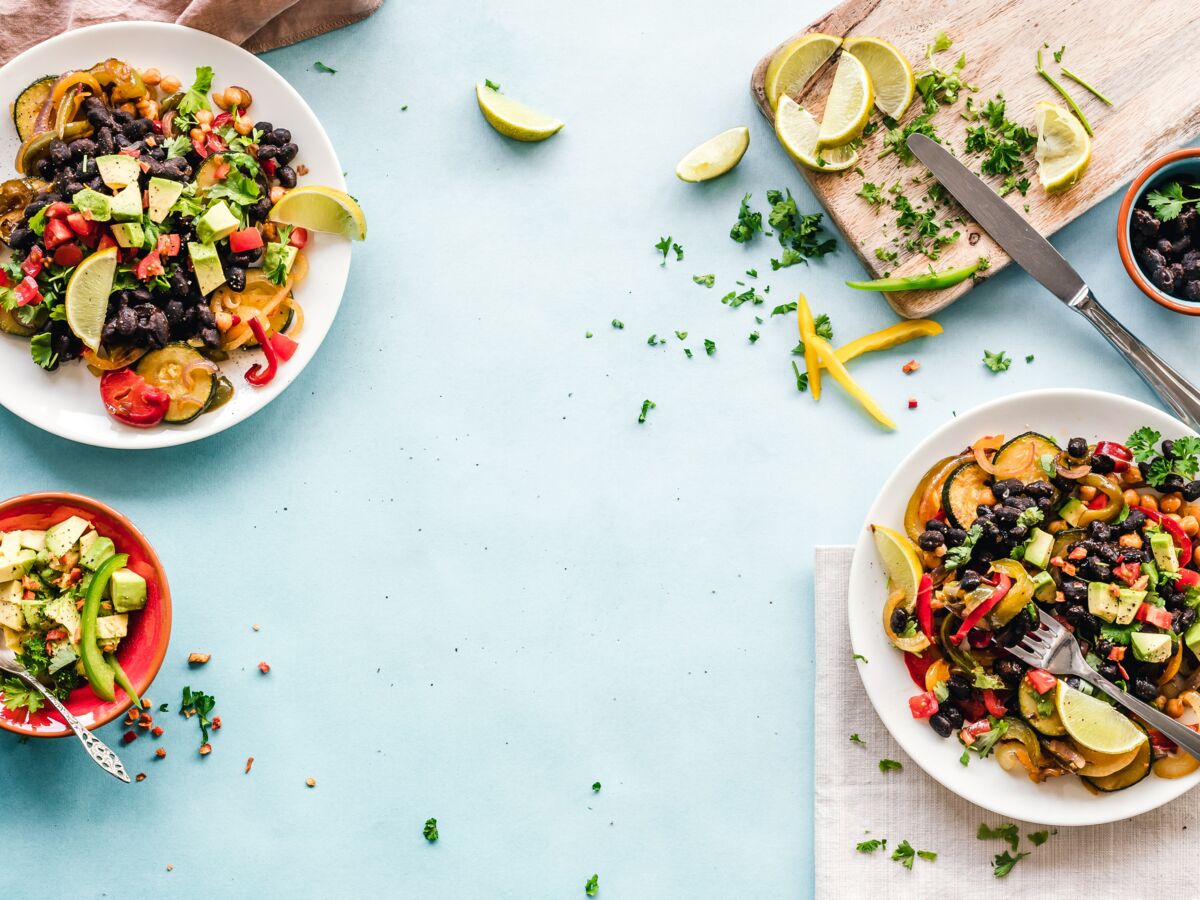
<point x="1164" y="234"/>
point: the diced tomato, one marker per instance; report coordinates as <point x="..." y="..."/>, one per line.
<point x="1118" y="453"/>
<point x="1160" y="741"/>
<point x="223" y="119"/>
<point x="918" y="664"/>
<point x="5" y="281"/>
<point x="1116" y="654"/>
<point x="27" y="291"/>
<point x="1098" y="502"/>
<point x="1128" y="572"/>
<point x="923" y="705"/>
<point x="57" y="232"/>
<point x="1041" y="680"/>
<point x="32" y="264"/>
<point x="994" y="706"/>
<point x="106" y="241"/>
<point x="80" y="224"/>
<point x="149" y="266"/>
<point x="130" y="151"/>
<point x="58" y="209"/>
<point x="168" y="245"/>
<point x="246" y="239"/>
<point x="285" y="349"/>
<point x="298" y="238"/>
<point x="1154" y="615"/>
<point x="214" y="142"/>
<point x="269" y="166"/>
<point x="1187" y="578"/>
<point x="68" y="255"/>
<point x="130" y="399"/>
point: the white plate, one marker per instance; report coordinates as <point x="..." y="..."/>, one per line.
<point x="67" y="402"/>
<point x="1060" y="801"/>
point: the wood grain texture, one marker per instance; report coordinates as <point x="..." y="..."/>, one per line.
<point x="1136" y="53"/>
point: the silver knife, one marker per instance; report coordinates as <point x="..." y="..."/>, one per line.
<point x="1035" y="255"/>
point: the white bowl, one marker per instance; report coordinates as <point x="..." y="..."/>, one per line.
<point x="1060" y="801"/>
<point x="67" y="402"/>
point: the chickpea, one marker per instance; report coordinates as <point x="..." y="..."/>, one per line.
<point x="170" y="84"/>
<point x="1132" y="540"/>
<point x="220" y="98"/>
<point x="151" y="110"/>
<point x="277" y="194"/>
<point x="1131" y="497"/>
<point x="1191" y="525"/>
<point x="987" y="498"/>
<point x="1159" y="702"/>
<point x="1170" y="503"/>
<point x="1087" y="492"/>
<point x="1133" y="475"/>
<point x="128" y="107"/>
<point x="1196" y="556"/>
<point x="151" y="76"/>
<point x="238" y="97"/>
<point x="243" y="126"/>
<point x="1148" y="501"/>
<point x="1059" y="525"/>
<point x="204" y="116"/>
<point x="1175" y="708"/>
<point x="196" y="134"/>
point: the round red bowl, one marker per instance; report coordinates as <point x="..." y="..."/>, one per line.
<point x="1179" y="164"/>
<point x="141" y="653"/>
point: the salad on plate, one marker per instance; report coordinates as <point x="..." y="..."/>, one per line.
<point x="1101" y="536"/>
<point x="155" y="230"/>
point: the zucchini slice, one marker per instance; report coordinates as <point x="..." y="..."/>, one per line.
<point x="190" y="395"/>
<point x="1128" y="776"/>
<point x="280" y="321"/>
<point x="1041" y="446"/>
<point x="10" y="325"/>
<point x="1051" y="725"/>
<point x="963" y="492"/>
<point x="29" y="104"/>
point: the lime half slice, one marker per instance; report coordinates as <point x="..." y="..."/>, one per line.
<point x="86" y="299"/>
<point x="512" y="119"/>
<point x="320" y="208"/>
<point x="1094" y="724"/>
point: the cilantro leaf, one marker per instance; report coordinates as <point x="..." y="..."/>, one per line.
<point x="871" y="846"/>
<point x="1037" y="838"/>
<point x="1168" y="202"/>
<point x="747" y="224"/>
<point x="996" y="362"/>
<point x="18" y="695"/>
<point x="199" y="704"/>
<point x="196" y="97"/>
<point x="40" y="350"/>
<point x="960" y="555"/>
<point x="1006" y="832"/>
<point x="856" y="739"/>
<point x="888" y="765"/>
<point x="664" y="247"/>
<point x="706" y="280"/>
<point x="430" y="831"/>
<point x="1004" y="862"/>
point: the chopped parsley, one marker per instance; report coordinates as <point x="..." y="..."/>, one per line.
<point x="653" y="340"/>
<point x="706" y="280"/>
<point x="1004" y="862"/>
<point x="488" y="83"/>
<point x="800" y="234"/>
<point x="1058" y="54"/>
<point x="888" y="765"/>
<point x="1002" y="143"/>
<point x="595" y="787"/>
<point x="40" y="350"/>
<point x="196" y="97"/>
<point x="997" y="362"/>
<point x="905" y="854"/>
<point x="1007" y="833"/>
<point x="1037" y="838"/>
<point x="18" y="695"/>
<point x="753" y="273"/>
<point x="647" y="405"/>
<point x="1030" y="517"/>
<point x="747" y="224"/>
<point x="1119" y="634"/>
<point x="678" y="252"/>
<point x="321" y="67"/>
<point x="588" y="335"/>
<point x="1029" y="359"/>
<point x="430" y="830"/>
<point x="682" y="335"/>
<point x="856" y="739"/>
<point x="664" y="247"/>
<point x="872" y="193"/>
<point x="592" y="886"/>
<point x="754" y="336"/>
<point x="710" y="347"/>
<point x="801" y="377"/>
<point x="871" y="846"/>
<point x="960" y="555"/>
<point x="784" y="308"/>
<point x="750" y="295"/>
<point x="860" y="656"/>
<point x="1168" y="202"/>
<point x="199" y="704"/>
<point x="618" y="324"/>
<point x="1142" y="443"/>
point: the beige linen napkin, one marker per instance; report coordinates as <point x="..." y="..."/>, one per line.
<point x="257" y="25"/>
<point x="1139" y="856"/>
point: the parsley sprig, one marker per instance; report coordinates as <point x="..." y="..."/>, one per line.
<point x="1168" y="202"/>
<point x="997" y="362"/>
<point x="800" y="234"/>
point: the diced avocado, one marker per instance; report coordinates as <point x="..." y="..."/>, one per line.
<point x="128" y="590"/>
<point x="1150" y="570"/>
<point x="96" y="204"/>
<point x="117" y="170"/>
<point x="10" y="613"/>
<point x="62" y="537"/>
<point x="1072" y="511"/>
<point x="128" y="234"/>
<point x="1043" y="586"/>
<point x="17" y="566"/>
<point x="10" y="543"/>
<point x="1037" y="551"/>
<point x="64" y="656"/>
<point x="1192" y="638"/>
<point x="100" y="550"/>
<point x="216" y="223"/>
<point x="32" y="613"/>
<point x="279" y="257"/>
<point x="34" y="540"/>
<point x="1151" y="648"/>
<point x="62" y="610"/>
<point x="11" y="591"/>
<point x="86" y="540"/>
<point x="1128" y="602"/>
<point x="1163" y="548"/>
<point x="126" y="206"/>
<point x="1102" y="603"/>
<point x="209" y="274"/>
<point x="163" y="194"/>
<point x="109" y="627"/>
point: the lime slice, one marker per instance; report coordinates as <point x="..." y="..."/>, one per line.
<point x="796" y="62"/>
<point x="513" y="119"/>
<point x="891" y="75"/>
<point x="320" y="208"/>
<point x="86" y="299"/>
<point x="797" y="130"/>
<point x="1094" y="724"/>
<point x="714" y="157"/>
<point x="1063" y="147"/>
<point x="849" y="103"/>
<point x="900" y="561"/>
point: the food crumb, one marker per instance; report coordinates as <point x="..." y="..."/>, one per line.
<point x="249" y="763"/>
<point x="912" y="402"/>
<point x="216" y="723"/>
<point x="141" y="776"/>
<point x="909" y="367"/>
<point x="205" y="749"/>
<point x="254" y="627"/>
<point x="129" y="737"/>
<point x="161" y="752"/>
<point x="170" y="868"/>
<point x="311" y="782"/>
<point x="158" y="731"/>
<point x="264" y="668"/>
<point x="198" y="659"/>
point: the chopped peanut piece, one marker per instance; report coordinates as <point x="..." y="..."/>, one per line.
<point x="141" y="776"/>
<point x="198" y="659"/>
<point x="311" y="782"/>
<point x="205" y="749"/>
<point x="249" y="763"/>
<point x="161" y="752"/>
<point x="264" y="668"/>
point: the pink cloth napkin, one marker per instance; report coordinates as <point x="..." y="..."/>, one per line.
<point x="257" y="25"/>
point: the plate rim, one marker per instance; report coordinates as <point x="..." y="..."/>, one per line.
<point x="1092" y="812"/>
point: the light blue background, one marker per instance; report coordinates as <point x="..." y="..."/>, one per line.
<point x="481" y="584"/>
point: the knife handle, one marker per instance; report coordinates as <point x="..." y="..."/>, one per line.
<point x="1172" y="388"/>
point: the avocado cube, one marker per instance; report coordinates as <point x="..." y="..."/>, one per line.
<point x="64" y="656"/>
<point x="62" y="610"/>
<point x="11" y="615"/>
<point x="1037" y="552"/>
<point x="1128" y="603"/>
<point x="118" y="170"/>
<point x="216" y="223"/>
<point x="96" y="204"/>
<point x="163" y="192"/>
<point x="207" y="265"/>
<point x="1150" y="647"/>
<point x="1044" y="586"/>
<point x="1192" y="637"/>
<point x="62" y="537"/>
<point x="110" y="627"/>
<point x="128" y="590"/>
<point x="1072" y="511"/>
<point x="279" y="255"/>
<point x="128" y="234"/>
<point x="32" y="613"/>
<point x="34" y="540"/>
<point x="17" y="566"/>
<point x="10" y="543"/>
<point x="1163" y="548"/>
<point x="1102" y="603"/>
<point x="126" y="206"/>
<point x="100" y="550"/>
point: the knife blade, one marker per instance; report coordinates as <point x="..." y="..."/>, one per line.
<point x="1005" y="225"/>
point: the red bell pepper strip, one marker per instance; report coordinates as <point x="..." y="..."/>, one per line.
<point x="32" y="265"/>
<point x="1003" y="585"/>
<point x="1128" y="572"/>
<point x="1041" y="680"/>
<point x="993" y="704"/>
<point x="923" y="705"/>
<point x="256" y="375"/>
<point x="1154" y="615"/>
<point x="1174" y="529"/>
<point x="925" y="607"/>
<point x="285" y="349"/>
<point x="1098" y="502"/>
<point x="1121" y="455"/>
<point x="27" y="291"/>
<point x="918" y="664"/>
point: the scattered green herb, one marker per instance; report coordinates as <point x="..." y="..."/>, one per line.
<point x="1007" y="833"/>
<point x="618" y="324"/>
<point x="595" y="787"/>
<point x="491" y="84"/>
<point x="321" y="67"/>
<point x="592" y="886"/>
<point x="747" y="224"/>
<point x="887" y="765"/>
<point x="1083" y="84"/>
<point x="198" y="704"/>
<point x="430" y="830"/>
<point x="871" y="846"/>
<point x="996" y="362"/>
<point x="800" y="234"/>
<point x="710" y="347"/>
<point x="647" y="405"/>
<point x="1004" y="862"/>
<point x="855" y="739"/>
<point x="706" y="280"/>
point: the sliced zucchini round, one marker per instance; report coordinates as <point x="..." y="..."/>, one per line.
<point x="29" y="104"/>
<point x="1051" y="725"/>
<point x="9" y="324"/>
<point x="1041" y="446"/>
<point x="165" y="369"/>
<point x="206" y="175"/>
<point x="1128" y="776"/>
<point x="964" y="490"/>
<point x="279" y="321"/>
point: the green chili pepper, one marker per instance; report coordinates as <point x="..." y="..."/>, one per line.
<point x="99" y="673"/>
<point x="123" y="680"/>
<point x="928" y="281"/>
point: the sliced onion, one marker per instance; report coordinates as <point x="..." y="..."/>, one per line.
<point x="209" y="365"/>
<point x="1072" y="472"/>
<point x="993" y="442"/>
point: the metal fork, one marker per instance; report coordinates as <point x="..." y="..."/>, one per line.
<point x="1053" y="648"/>
<point x="100" y="752"/>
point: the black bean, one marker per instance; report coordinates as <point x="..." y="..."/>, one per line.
<point x="59" y="152"/>
<point x="1144" y="223"/>
<point x="970" y="581"/>
<point x="280" y="136"/>
<point x="899" y="620"/>
<point x="1100" y="531"/>
<point x="939" y="525"/>
<point x="266" y="128"/>
<point x="1077" y="448"/>
<point x="235" y="277"/>
<point x="287" y="153"/>
<point x="266" y="151"/>
<point x="1010" y="671"/>
<point x="1109" y="670"/>
<point x="1101" y="464"/>
<point x="959" y="686"/>
<point x="137" y="129"/>
<point x="955" y="536"/>
<point x="286" y="176"/>
<point x="1172" y="483"/>
<point x="1143" y="689"/>
<point x="953" y="714"/>
<point x="941" y="725"/>
<point x="122" y="117"/>
<point x="21" y="238"/>
<point x="210" y="336"/>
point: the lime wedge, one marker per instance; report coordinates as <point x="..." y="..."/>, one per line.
<point x="791" y="68"/>
<point x="849" y="103"/>
<point x="1063" y="147"/>
<point x="323" y="209"/>
<point x="900" y="561"/>
<point x="86" y="299"/>
<point x="513" y="119"/>
<point x="1094" y="724"/>
<point x="891" y="75"/>
<point x="797" y="130"/>
<point x="714" y="157"/>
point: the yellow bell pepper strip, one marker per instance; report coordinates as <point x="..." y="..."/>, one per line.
<point x="893" y="336"/>
<point x="808" y="331"/>
<point x="926" y="281"/>
<point x="70" y="80"/>
<point x="829" y="359"/>
<point x="123" y="680"/>
<point x="100" y="674"/>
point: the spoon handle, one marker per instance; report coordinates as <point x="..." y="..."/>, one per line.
<point x="99" y="751"/>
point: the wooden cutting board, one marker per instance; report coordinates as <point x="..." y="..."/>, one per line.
<point x="1137" y="53"/>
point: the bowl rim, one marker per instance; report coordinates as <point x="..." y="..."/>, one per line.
<point x="160" y="650"/>
<point x="1123" y="244"/>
